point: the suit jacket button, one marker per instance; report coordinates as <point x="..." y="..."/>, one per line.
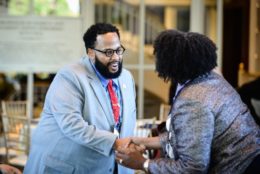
<point x="110" y="170"/>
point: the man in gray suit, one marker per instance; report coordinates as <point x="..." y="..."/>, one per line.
<point x="77" y="132"/>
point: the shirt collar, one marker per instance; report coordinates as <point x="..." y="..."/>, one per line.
<point x="103" y="80"/>
<point x="180" y="86"/>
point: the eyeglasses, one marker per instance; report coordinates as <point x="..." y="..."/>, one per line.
<point x="110" y="52"/>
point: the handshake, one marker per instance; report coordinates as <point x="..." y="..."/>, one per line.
<point x="129" y="153"/>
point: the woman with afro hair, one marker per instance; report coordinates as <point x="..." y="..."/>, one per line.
<point x="209" y="129"/>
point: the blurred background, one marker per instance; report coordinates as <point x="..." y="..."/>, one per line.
<point x="37" y="37"/>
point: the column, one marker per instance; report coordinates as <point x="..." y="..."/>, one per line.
<point x="197" y="16"/>
<point x="170" y="17"/>
<point x="88" y="14"/>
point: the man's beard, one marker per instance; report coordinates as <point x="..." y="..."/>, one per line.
<point x="104" y="70"/>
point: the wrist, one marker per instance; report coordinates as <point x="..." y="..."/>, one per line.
<point x="114" y="147"/>
<point x="136" y="140"/>
<point x="146" y="165"/>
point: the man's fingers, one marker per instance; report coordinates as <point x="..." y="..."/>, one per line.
<point x="128" y="143"/>
<point x="121" y="150"/>
<point x="142" y="146"/>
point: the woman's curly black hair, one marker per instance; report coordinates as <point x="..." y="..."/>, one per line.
<point x="182" y="56"/>
<point x="90" y="36"/>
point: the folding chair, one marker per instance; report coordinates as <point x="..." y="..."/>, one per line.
<point x="164" y="112"/>
<point x="144" y="128"/>
<point x="16" y="125"/>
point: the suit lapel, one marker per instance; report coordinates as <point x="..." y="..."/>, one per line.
<point x="102" y="98"/>
<point x="99" y="91"/>
<point x="123" y="90"/>
<point x="128" y="121"/>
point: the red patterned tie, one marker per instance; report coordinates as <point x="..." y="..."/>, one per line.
<point x="114" y="100"/>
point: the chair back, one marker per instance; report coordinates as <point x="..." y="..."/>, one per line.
<point x="164" y="112"/>
<point x="144" y="126"/>
<point x="16" y="125"/>
<point x="256" y="104"/>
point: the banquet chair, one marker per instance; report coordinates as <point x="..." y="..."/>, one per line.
<point x="256" y="104"/>
<point x="164" y="112"/>
<point x="143" y="128"/>
<point x="16" y="127"/>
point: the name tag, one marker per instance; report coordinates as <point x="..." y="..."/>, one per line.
<point x="116" y="132"/>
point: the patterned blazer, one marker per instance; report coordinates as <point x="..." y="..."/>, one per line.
<point x="211" y="130"/>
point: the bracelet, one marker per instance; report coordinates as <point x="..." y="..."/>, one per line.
<point x="146" y="165"/>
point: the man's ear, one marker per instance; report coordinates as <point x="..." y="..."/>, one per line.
<point x="91" y="53"/>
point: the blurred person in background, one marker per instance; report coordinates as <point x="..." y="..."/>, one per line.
<point x="6" y="88"/>
<point x="248" y="91"/>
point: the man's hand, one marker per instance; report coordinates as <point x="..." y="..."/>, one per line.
<point x="130" y="157"/>
<point x="128" y="143"/>
<point x="123" y="143"/>
<point x="129" y="154"/>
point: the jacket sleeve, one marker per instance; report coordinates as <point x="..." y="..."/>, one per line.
<point x="192" y="130"/>
<point x="66" y="100"/>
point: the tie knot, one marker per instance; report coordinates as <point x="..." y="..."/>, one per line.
<point x="110" y="83"/>
<point x="114" y="101"/>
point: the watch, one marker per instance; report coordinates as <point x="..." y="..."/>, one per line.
<point x="146" y="165"/>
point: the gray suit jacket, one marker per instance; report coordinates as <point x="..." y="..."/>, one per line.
<point x="75" y="133"/>
<point x="212" y="131"/>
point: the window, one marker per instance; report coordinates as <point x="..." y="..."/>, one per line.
<point x="68" y="8"/>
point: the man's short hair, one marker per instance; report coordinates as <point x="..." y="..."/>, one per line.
<point x="91" y="34"/>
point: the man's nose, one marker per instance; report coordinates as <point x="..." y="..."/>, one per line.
<point x="115" y="56"/>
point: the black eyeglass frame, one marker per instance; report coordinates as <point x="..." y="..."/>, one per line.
<point x="106" y="51"/>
